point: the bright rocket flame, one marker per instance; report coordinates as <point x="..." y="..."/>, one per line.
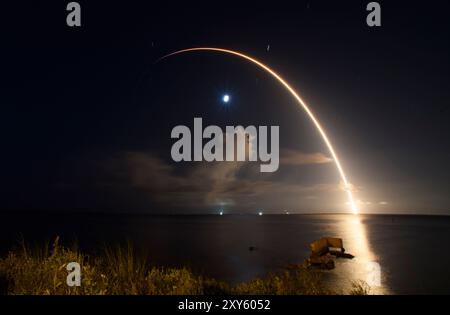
<point x="347" y="186"/>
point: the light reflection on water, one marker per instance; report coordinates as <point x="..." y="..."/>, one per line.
<point x="364" y="266"/>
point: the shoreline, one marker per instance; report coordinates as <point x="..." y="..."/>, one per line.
<point x="42" y="271"/>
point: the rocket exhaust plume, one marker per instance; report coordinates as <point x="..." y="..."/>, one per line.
<point x="347" y="186"/>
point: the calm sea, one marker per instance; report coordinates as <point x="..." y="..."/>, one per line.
<point x="411" y="251"/>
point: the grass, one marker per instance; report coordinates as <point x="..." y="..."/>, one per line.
<point x="41" y="270"/>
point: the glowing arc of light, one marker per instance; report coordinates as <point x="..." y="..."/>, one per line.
<point x="302" y="103"/>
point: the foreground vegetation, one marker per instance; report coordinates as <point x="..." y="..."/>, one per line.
<point x="42" y="271"/>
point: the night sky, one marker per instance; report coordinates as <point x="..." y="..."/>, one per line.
<point x="86" y="113"/>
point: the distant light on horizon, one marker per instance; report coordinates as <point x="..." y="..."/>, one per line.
<point x="260" y="213"/>
<point x="226" y="98"/>
<point x="221" y="212"/>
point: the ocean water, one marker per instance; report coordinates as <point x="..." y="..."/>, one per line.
<point x="409" y="253"/>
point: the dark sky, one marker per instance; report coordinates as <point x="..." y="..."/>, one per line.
<point x="87" y="114"/>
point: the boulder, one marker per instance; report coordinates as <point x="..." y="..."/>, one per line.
<point x="324" y="251"/>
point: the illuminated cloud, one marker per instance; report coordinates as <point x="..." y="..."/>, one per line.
<point x="293" y="157"/>
<point x="212" y="184"/>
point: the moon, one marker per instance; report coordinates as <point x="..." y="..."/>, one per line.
<point x="226" y="98"/>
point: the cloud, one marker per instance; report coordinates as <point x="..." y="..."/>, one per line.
<point x="212" y="184"/>
<point x="294" y="157"/>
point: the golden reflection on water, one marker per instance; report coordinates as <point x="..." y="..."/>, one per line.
<point x="365" y="265"/>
